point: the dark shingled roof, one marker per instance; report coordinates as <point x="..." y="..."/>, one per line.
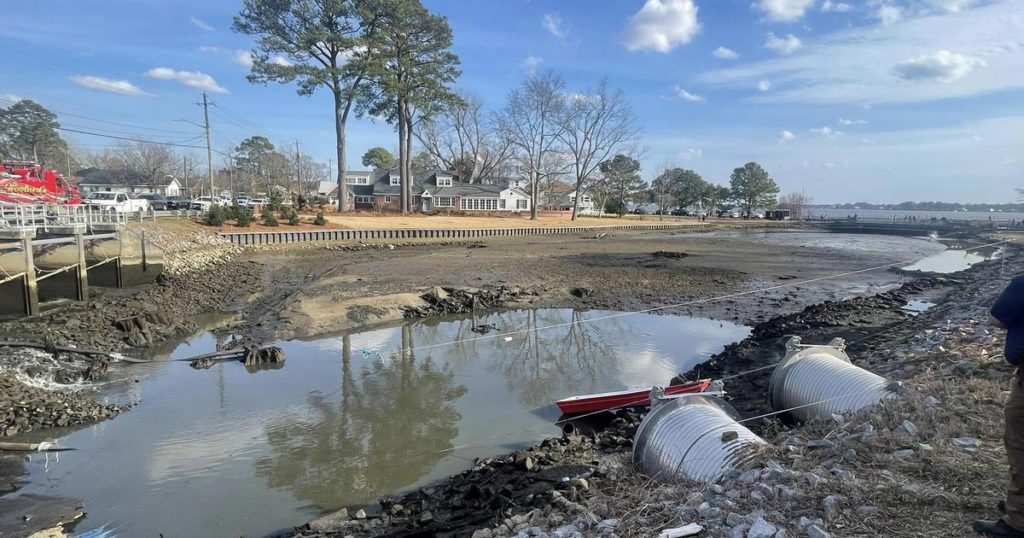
<point x="426" y="180"/>
<point x="96" y="176"/>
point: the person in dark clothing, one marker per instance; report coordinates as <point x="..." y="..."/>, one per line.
<point x="1008" y="313"/>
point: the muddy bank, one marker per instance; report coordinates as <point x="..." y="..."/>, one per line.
<point x="587" y="485"/>
<point x="675" y="272"/>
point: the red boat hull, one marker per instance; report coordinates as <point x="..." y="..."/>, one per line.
<point x="629" y="398"/>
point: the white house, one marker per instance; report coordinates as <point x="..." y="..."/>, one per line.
<point x="92" y="180"/>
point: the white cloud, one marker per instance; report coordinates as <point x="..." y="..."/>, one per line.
<point x="783" y="45"/>
<point x="835" y="7"/>
<point x="280" y="60"/>
<point x="951" y="5"/>
<point x="691" y="153"/>
<point x="783" y="10"/>
<point x="662" y="25"/>
<point x="942" y="66"/>
<point x="242" y="58"/>
<point x="211" y="49"/>
<point x="107" y="85"/>
<point x="723" y="53"/>
<point x="764" y="85"/>
<point x="687" y="96"/>
<point x="827" y="131"/>
<point x="854" y="66"/>
<point x="531" y="63"/>
<point x="192" y="79"/>
<point x="844" y="121"/>
<point x="201" y="24"/>
<point x="552" y="22"/>
<point x="11" y="98"/>
<point x="889" y="14"/>
<point x="786" y="136"/>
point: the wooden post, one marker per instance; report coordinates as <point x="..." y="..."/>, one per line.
<point x="83" y="272"/>
<point x="145" y="267"/>
<point x="31" y="288"/>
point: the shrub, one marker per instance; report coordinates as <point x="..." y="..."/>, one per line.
<point x="275" y="201"/>
<point x="320" y="220"/>
<point x="215" y="216"/>
<point x="320" y="202"/>
<point x="243" y="218"/>
<point x="291" y="215"/>
<point x="269" y="219"/>
<point x="615" y="207"/>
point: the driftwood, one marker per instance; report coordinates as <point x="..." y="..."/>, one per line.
<point x="253" y="357"/>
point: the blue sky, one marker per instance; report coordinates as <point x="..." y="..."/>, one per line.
<point x="877" y="100"/>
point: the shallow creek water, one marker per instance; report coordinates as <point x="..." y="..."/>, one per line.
<point x="348" y="419"/>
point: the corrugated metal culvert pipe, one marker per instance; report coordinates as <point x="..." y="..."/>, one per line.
<point x="820" y="381"/>
<point x="691" y="437"/>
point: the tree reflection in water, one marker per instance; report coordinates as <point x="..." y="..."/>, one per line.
<point x="541" y="366"/>
<point x="386" y="431"/>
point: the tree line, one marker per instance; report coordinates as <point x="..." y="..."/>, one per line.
<point x="393" y="59"/>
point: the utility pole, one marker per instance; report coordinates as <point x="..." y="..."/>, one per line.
<point x="184" y="172"/>
<point x="209" y="148"/>
<point x="67" y="153"/>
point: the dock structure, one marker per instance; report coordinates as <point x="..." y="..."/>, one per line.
<point x="40" y="244"/>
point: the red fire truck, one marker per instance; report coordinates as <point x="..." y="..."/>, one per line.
<point x="28" y="183"/>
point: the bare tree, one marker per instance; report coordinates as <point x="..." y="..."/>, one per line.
<point x="593" y="128"/>
<point x="153" y="161"/>
<point x="795" y="202"/>
<point x="465" y="141"/>
<point x="530" y="122"/>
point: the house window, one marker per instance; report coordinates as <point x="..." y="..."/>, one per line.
<point x="387" y="199"/>
<point x="522" y="204"/>
<point x="501" y="203"/>
<point x="478" y="204"/>
<point x="443" y="201"/>
<point x="444" y="181"/>
<point x="364" y="199"/>
<point x="396" y="180"/>
<point x="586" y="198"/>
<point x="357" y="180"/>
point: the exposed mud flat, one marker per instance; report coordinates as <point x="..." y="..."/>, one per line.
<point x="312" y="290"/>
<point x="562" y="487"/>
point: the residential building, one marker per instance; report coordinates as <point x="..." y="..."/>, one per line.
<point x="438" y="191"/>
<point x="92" y="180"/>
<point x="353" y="178"/>
<point x="561" y="196"/>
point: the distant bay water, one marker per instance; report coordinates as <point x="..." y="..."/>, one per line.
<point x="875" y="214"/>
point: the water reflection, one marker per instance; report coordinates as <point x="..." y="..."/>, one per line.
<point x="352" y="417"/>
<point x="389" y="426"/>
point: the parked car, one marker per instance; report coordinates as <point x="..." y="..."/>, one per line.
<point x="178" y="202"/>
<point x="116" y="201"/>
<point x="243" y="201"/>
<point x="156" y="201"/>
<point x="680" y="212"/>
<point x="639" y="211"/>
<point x="258" y="203"/>
<point x="204" y="203"/>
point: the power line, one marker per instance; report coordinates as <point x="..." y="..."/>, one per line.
<point x="80" y="116"/>
<point x="128" y="138"/>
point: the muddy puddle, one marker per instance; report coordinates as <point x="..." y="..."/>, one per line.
<point x="954" y="259"/>
<point x="348" y="419"/>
